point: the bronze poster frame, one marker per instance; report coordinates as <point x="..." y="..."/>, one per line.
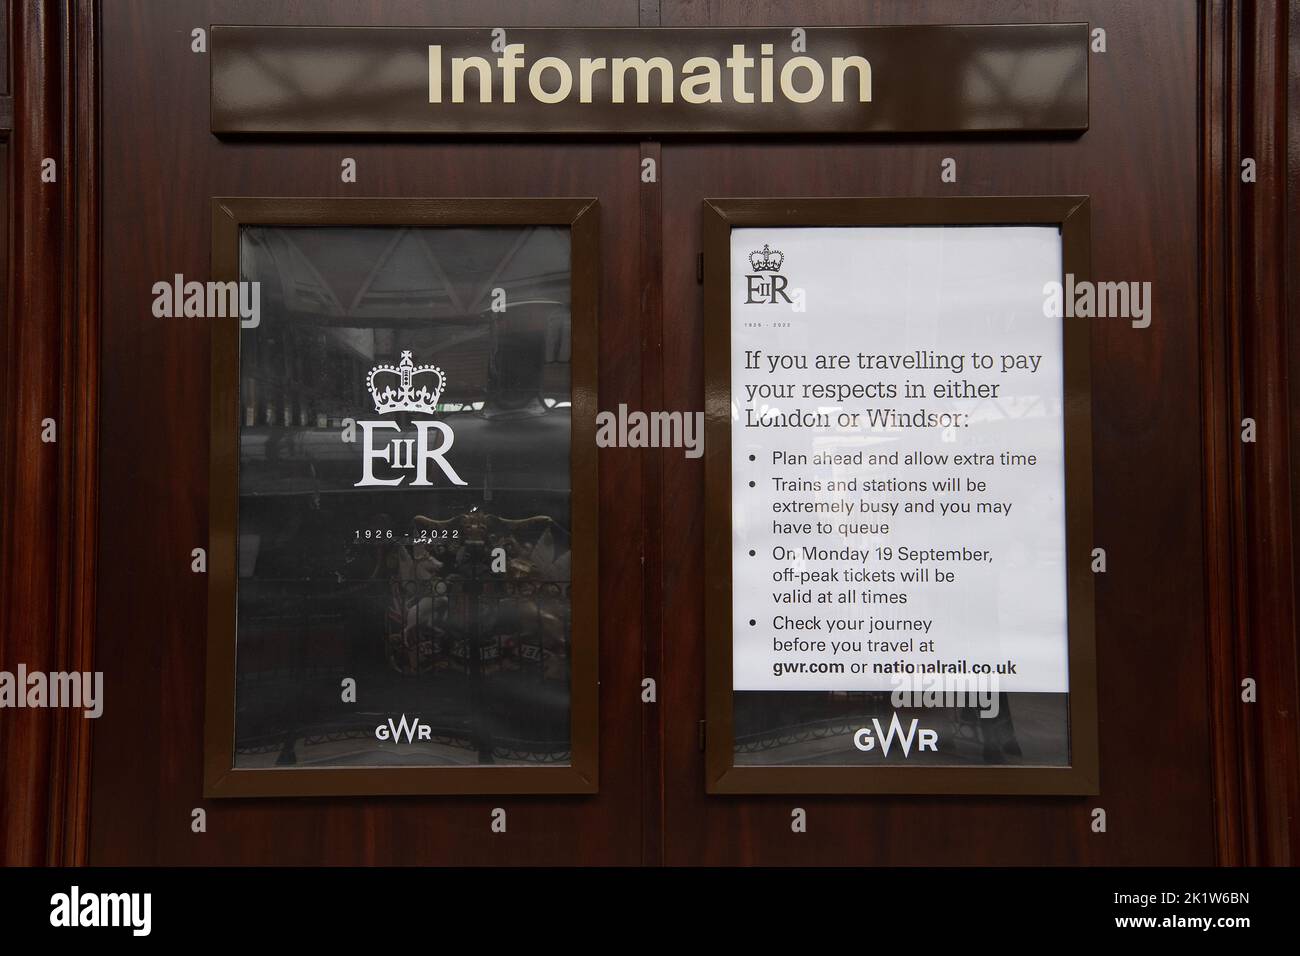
<point x="221" y="779"/>
<point x="1071" y="215"/>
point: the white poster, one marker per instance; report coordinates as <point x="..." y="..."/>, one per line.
<point x="898" y="506"/>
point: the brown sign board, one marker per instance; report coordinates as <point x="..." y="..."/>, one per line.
<point x="999" y="78"/>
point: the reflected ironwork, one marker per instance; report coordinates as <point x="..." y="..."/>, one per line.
<point x="448" y="604"/>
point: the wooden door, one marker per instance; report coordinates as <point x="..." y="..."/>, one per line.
<point x="1138" y="162"/>
<point x="1198" y="527"/>
<point x="161" y="166"/>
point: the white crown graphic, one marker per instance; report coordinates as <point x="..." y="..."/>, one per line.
<point x="394" y="389"/>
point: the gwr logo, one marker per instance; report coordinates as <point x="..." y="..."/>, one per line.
<point x="415" y="730"/>
<point x="926" y="739"/>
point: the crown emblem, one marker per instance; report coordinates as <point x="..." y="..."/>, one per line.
<point x="768" y="260"/>
<point x="395" y="389"/>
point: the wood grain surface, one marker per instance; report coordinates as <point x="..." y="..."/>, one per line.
<point x="1200" y="531"/>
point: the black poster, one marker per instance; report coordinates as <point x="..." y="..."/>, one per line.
<point x="403" y="594"/>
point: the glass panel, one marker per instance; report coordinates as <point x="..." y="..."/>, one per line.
<point x="404" y="497"/>
<point x="898" y="507"/>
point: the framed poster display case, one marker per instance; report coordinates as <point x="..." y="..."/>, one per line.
<point x="403" y="529"/>
<point x="931" y="281"/>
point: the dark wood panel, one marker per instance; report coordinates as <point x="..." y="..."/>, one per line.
<point x="1291" y="267"/>
<point x="32" y="470"/>
<point x="1219" y="440"/>
<point x="1263" y="552"/>
<point x="154" y="435"/>
<point x="1251" y="58"/>
<point x="4" y="299"/>
<point x="78" y="375"/>
<point x="1155" y="614"/>
<point x="5" y="81"/>
<point x="651" y="254"/>
<point x="653" y="557"/>
<point x="1139" y="163"/>
<point x="48" y="370"/>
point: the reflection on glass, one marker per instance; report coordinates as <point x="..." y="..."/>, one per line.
<point x="404" y="498"/>
<point x="826" y="727"/>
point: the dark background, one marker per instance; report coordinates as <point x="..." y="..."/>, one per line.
<point x="335" y="580"/>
